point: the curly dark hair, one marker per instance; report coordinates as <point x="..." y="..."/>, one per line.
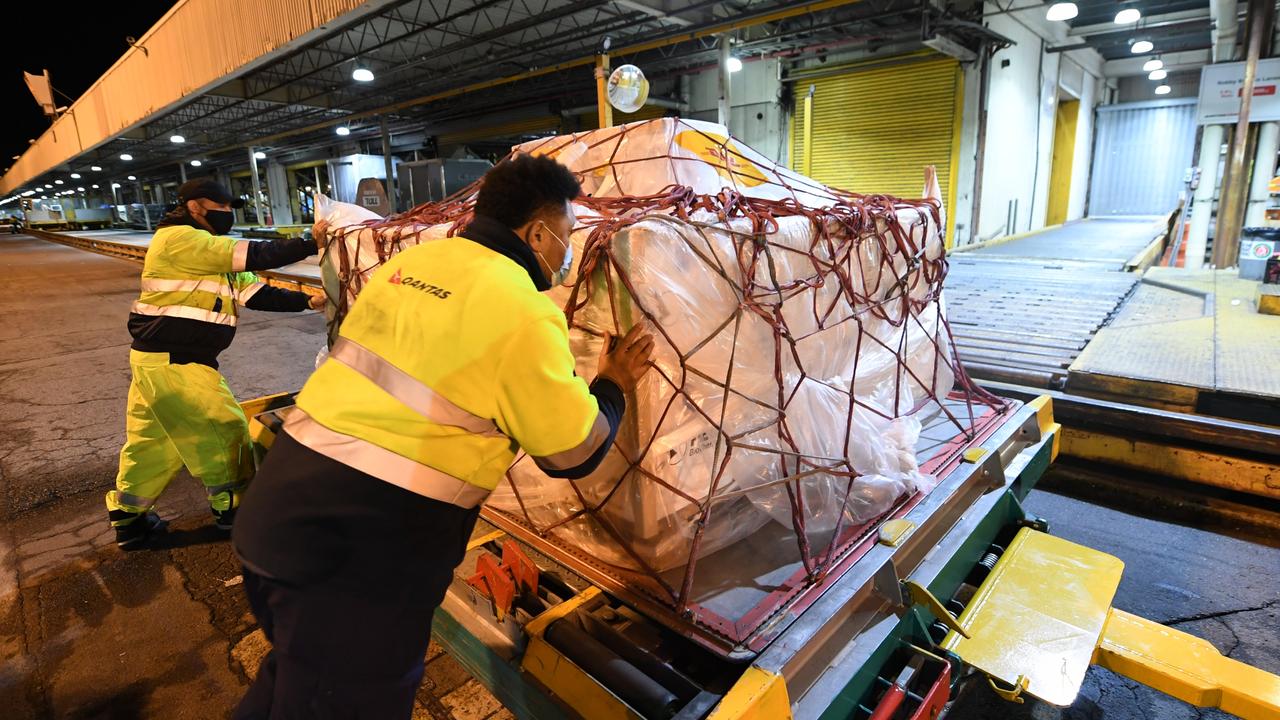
<point x="518" y="187"/>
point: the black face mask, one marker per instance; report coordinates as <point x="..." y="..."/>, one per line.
<point x="220" y="220"/>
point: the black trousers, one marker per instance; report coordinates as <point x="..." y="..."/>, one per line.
<point x="357" y="568"/>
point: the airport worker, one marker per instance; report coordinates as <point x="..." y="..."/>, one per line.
<point x="180" y="411"/>
<point x="450" y="360"/>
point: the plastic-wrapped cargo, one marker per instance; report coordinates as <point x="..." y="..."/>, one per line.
<point x="800" y="336"/>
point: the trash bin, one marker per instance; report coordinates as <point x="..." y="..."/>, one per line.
<point x="1257" y="244"/>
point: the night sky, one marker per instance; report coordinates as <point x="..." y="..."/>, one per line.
<point x="74" y="43"/>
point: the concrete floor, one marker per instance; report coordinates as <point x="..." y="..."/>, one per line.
<point x="89" y="632"/>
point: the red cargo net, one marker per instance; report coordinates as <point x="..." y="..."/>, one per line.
<point x="843" y="222"/>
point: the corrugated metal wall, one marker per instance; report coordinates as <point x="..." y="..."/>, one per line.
<point x="1141" y="153"/>
<point x="874" y="130"/>
<point x="197" y="43"/>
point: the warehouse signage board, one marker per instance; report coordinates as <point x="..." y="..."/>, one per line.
<point x="1220" y="87"/>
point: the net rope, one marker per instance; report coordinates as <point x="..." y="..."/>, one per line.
<point x="841" y="224"/>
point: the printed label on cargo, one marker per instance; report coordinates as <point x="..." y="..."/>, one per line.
<point x="724" y="155"/>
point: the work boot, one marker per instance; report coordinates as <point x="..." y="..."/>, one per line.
<point x="134" y="529"/>
<point x="224" y="519"/>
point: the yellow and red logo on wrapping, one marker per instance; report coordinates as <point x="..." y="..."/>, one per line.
<point x="724" y="155"/>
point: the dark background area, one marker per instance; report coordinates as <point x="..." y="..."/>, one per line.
<point x="76" y="43"/>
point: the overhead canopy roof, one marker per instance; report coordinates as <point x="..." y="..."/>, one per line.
<point x="231" y="74"/>
<point x="1172" y="26"/>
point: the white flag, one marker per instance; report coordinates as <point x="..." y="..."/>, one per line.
<point x="41" y="90"/>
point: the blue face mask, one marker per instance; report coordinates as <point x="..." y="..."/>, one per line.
<point x="558" y="276"/>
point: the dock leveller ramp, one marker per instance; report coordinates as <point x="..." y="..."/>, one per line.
<point x="1044" y="615"/>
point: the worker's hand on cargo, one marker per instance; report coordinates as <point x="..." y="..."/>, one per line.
<point x="316" y="302"/>
<point x="625" y="360"/>
<point x="320" y="233"/>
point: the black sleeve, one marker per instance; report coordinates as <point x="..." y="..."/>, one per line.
<point x="274" y="299"/>
<point x="612" y="405"/>
<point x="268" y="254"/>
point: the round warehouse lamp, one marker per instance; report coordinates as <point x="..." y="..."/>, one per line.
<point x="1142" y="46"/>
<point x="1152" y="64"/>
<point x="94" y="186"/>
<point x="342" y="130"/>
<point x="196" y="163"/>
<point x="1158" y="75"/>
<point x="57" y="182"/>
<point x="79" y="189"/>
<point x="1061" y="11"/>
<point x="1163" y="90"/>
<point x="734" y="64"/>
<point x="259" y="155"/>
<point x="177" y="139"/>
<point x="628" y="88"/>
<point x="132" y="177"/>
<point x="362" y="74"/>
<point x="1127" y="16"/>
<point x="75" y="176"/>
<point x="126" y="156"/>
<point x="95" y="168"/>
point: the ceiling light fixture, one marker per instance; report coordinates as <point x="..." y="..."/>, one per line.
<point x="1152" y="64"/>
<point x="195" y="163"/>
<point x="259" y="155"/>
<point x="1061" y="11"/>
<point x="126" y="156"/>
<point x="1158" y="75"/>
<point x="362" y="74"/>
<point x="1127" y="16"/>
<point x="1163" y="90"/>
<point x="1142" y="46"/>
<point x="733" y="64"/>
<point x="132" y="177"/>
<point x="75" y="176"/>
<point x="177" y="139"/>
<point x="343" y="130"/>
<point x="95" y="168"/>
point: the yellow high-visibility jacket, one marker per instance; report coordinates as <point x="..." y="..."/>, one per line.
<point x="449" y="361"/>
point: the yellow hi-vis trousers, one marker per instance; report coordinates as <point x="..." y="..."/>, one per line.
<point x="180" y="415"/>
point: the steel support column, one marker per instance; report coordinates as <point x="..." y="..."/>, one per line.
<point x="257" y="191"/>
<point x="604" y="111"/>
<point x="1264" y="168"/>
<point x="724" y="107"/>
<point x="1206" y="192"/>
<point x="1226" y="244"/>
<point x="386" y="158"/>
<point x="142" y="200"/>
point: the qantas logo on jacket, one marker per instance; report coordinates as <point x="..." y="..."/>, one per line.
<point x="417" y="284"/>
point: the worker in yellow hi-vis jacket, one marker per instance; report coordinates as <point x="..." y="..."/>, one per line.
<point x="180" y="410"/>
<point x="450" y="361"/>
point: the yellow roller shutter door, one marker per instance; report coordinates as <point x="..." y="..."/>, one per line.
<point x="874" y="130"/>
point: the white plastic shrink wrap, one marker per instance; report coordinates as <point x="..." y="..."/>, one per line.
<point x="786" y="387"/>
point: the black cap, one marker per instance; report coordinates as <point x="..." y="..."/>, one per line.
<point x="207" y="188"/>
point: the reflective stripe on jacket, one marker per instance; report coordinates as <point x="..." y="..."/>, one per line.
<point x="450" y="361"/>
